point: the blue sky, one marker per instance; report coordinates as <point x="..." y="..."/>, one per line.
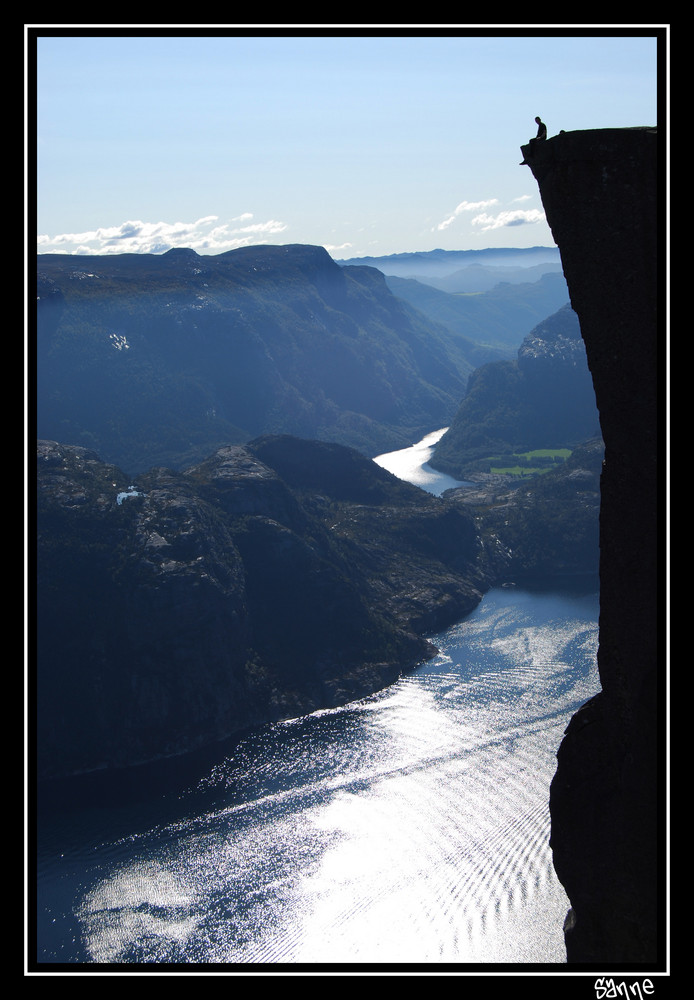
<point x="362" y="141"/>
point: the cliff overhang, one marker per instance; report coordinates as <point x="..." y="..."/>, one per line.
<point x="601" y="197"/>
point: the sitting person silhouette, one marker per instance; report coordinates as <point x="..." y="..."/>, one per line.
<point x="541" y="135"/>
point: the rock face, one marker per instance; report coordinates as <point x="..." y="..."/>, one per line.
<point x="543" y="399"/>
<point x="600" y="194"/>
<point x="263" y="583"/>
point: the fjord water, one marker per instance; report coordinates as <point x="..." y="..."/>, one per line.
<point x="411" y="827"/>
<point x="412" y="465"/>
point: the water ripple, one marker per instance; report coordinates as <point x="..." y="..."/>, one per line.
<point x="410" y="826"/>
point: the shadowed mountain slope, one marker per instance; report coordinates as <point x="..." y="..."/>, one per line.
<point x="160" y="359"/>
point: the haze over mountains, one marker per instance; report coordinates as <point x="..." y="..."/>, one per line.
<point x="159" y="360"/>
<point x="495" y="263"/>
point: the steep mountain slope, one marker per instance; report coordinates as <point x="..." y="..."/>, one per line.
<point x="265" y="582"/>
<point x="543" y="399"/>
<point x="160" y="359"/>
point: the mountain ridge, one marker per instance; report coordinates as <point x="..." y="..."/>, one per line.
<point x="159" y="359"/>
<point x="440" y="263"/>
<point x="195" y="352"/>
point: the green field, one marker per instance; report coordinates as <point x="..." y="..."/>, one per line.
<point x="529" y="463"/>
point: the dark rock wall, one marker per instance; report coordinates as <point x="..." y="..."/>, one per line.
<point x="600" y="193"/>
<point x="193" y="605"/>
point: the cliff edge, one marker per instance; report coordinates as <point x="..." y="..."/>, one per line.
<point x="599" y="189"/>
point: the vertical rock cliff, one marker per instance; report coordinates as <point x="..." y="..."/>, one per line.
<point x="599" y="189"/>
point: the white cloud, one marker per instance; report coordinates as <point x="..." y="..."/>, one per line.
<point x="466" y="206"/>
<point x="519" y="217"/>
<point x="332" y="248"/>
<point x="263" y="227"/>
<point x="135" y="236"/>
<point x="515" y="217"/>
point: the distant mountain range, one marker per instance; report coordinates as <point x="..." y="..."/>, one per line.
<point x="436" y="264"/>
<point x="496" y="320"/>
<point x="160" y="359"/>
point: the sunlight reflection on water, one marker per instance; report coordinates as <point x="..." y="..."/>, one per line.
<point x="413" y="827"/>
<point x="411" y="464"/>
<point x="410" y="827"/>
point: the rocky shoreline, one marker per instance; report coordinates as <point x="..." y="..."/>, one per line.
<point x="179" y="608"/>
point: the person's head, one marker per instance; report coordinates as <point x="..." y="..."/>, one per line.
<point x="538" y="119"/>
